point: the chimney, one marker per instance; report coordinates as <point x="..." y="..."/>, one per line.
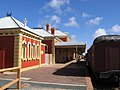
<point x="47" y="27"/>
<point x="25" y="22"/>
<point x="53" y="31"/>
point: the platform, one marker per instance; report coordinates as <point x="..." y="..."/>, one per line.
<point x="64" y="76"/>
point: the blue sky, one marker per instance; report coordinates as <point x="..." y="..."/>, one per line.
<point x="84" y="20"/>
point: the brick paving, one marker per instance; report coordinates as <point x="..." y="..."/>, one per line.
<point x="70" y="73"/>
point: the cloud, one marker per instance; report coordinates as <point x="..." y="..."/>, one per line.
<point x="56" y="5"/>
<point x="55" y="19"/>
<point x="99" y="32"/>
<point x="95" y="21"/>
<point x="85" y="15"/>
<point x="115" y="28"/>
<point x="72" y="22"/>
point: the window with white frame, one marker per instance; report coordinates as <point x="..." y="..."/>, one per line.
<point x="29" y="50"/>
<point x="38" y="51"/>
<point x="24" y="50"/>
<point x="46" y="49"/>
<point x="34" y="51"/>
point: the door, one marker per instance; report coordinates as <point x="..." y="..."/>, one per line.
<point x="2" y="59"/>
<point x="114" y="58"/>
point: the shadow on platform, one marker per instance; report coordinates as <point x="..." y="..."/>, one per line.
<point x="73" y="69"/>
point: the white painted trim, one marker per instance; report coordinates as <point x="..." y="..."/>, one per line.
<point x="29" y="52"/>
<point x="83" y="85"/>
<point x="24" y="42"/>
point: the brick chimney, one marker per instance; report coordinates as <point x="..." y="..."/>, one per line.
<point x="53" y="31"/>
<point x="47" y="27"/>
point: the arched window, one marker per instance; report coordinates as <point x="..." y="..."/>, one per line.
<point x="38" y="51"/>
<point x="46" y="48"/>
<point x="29" y="50"/>
<point x="34" y="51"/>
<point x="24" y="50"/>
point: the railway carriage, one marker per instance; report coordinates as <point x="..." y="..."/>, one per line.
<point x="103" y="57"/>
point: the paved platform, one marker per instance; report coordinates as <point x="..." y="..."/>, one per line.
<point x="69" y="74"/>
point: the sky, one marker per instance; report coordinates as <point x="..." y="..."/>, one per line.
<point x="84" y="20"/>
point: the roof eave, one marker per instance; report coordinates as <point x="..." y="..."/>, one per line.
<point x="32" y="33"/>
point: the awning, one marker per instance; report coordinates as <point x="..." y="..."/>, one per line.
<point x="70" y="44"/>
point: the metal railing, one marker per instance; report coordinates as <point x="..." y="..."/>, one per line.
<point x="17" y="80"/>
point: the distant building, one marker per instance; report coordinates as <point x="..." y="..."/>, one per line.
<point x="67" y="51"/>
<point x="59" y="47"/>
<point x="51" y="36"/>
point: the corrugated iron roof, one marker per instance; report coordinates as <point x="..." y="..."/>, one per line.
<point x="7" y="22"/>
<point x="10" y="22"/>
<point x="72" y="43"/>
<point x="42" y="33"/>
<point x="59" y="33"/>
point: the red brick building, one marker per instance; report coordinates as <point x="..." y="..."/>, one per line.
<point x="20" y="46"/>
<point x="30" y="48"/>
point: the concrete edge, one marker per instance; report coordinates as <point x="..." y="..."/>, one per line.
<point x="89" y="83"/>
<point x="48" y="83"/>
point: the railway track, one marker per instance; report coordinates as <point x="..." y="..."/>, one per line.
<point x="103" y="84"/>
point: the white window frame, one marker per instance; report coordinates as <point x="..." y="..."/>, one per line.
<point x="34" y="51"/>
<point x="24" y="47"/>
<point x="38" y="51"/>
<point x="29" y="50"/>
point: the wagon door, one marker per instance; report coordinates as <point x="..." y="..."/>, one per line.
<point x="2" y="59"/>
<point x="113" y="58"/>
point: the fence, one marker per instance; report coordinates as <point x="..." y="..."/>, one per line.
<point x="17" y="69"/>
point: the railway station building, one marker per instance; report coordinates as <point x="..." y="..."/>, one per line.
<point x="19" y="45"/>
<point x="32" y="48"/>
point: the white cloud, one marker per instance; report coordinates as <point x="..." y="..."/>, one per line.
<point x="115" y="28"/>
<point x="55" y="19"/>
<point x="85" y="14"/>
<point x="72" y="22"/>
<point x="95" y="21"/>
<point x="56" y="5"/>
<point x="99" y="32"/>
